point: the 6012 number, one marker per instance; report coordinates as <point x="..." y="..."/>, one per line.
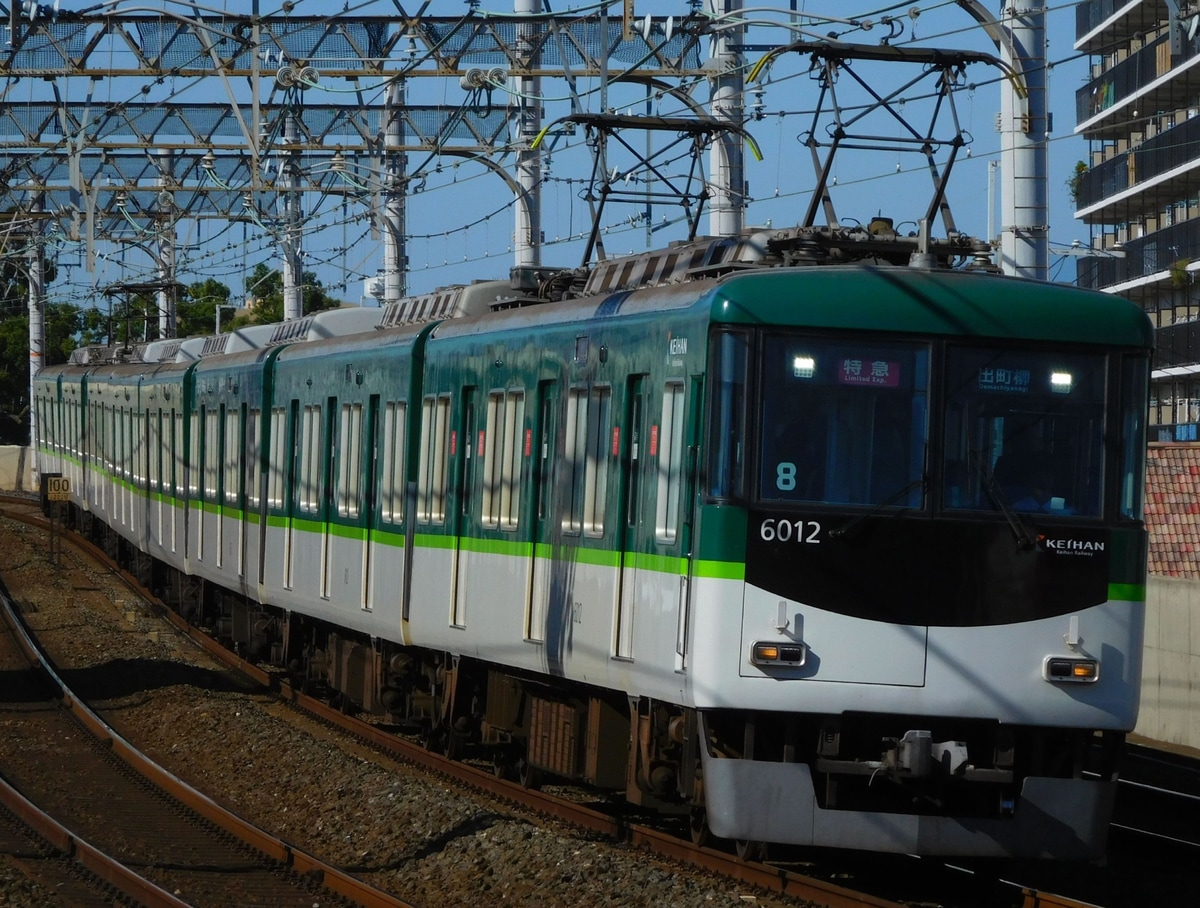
<point x="776" y="530"/>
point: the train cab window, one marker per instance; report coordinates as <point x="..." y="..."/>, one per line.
<point x="1024" y="431"/>
<point x="726" y="447"/>
<point x="843" y="422"/>
<point x="395" y="424"/>
<point x="1134" y="381"/>
<point x="503" y="456"/>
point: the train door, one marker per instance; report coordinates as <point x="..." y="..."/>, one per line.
<point x="121" y="498"/>
<point x="207" y="435"/>
<point x="290" y="495"/>
<point x="243" y="471"/>
<point x="632" y="517"/>
<point x="151" y="516"/>
<point x="462" y="520"/>
<point x="672" y="444"/>
<point x="541" y="511"/>
<point x="155" y="450"/>
<point x="328" y="486"/>
<point x="226" y="484"/>
<point x="369" y="497"/>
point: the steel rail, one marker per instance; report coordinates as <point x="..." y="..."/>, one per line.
<point x="332" y="878"/>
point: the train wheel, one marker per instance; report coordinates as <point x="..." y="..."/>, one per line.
<point x="504" y="763"/>
<point x="749" y="850"/>
<point x="698" y="823"/>
<point x="698" y="816"/>
<point x="528" y="775"/>
<point x="434" y="738"/>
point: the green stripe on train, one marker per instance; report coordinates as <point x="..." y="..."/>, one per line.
<point x="1127" y="592"/>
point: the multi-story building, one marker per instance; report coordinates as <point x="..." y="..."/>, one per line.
<point x="1139" y="191"/>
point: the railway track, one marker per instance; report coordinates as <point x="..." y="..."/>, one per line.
<point x="796" y="876"/>
<point x="144" y="832"/>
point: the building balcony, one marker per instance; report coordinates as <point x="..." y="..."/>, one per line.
<point x="1176" y="347"/>
<point x="1100" y="24"/>
<point x="1159" y="172"/>
<point x="1148" y="258"/>
<point x="1145" y="83"/>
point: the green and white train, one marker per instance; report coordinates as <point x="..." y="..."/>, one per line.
<point x="834" y="554"/>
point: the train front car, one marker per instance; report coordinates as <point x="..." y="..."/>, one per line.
<point x="934" y="481"/>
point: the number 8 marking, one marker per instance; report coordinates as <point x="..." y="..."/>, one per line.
<point x="785" y="476"/>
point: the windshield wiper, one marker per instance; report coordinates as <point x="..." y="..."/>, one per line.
<point x="843" y="531"/>
<point x="1025" y="538"/>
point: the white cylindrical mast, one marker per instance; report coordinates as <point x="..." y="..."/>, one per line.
<point x="527" y="227"/>
<point x="727" y="178"/>
<point x="35" y="263"/>
<point x="166" y="246"/>
<point x="293" y="300"/>
<point x="1024" y="243"/>
<point x="395" y="163"/>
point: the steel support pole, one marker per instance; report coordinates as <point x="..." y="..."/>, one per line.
<point x="727" y="178"/>
<point x="1024" y="231"/>
<point x="293" y="276"/>
<point x="527" y="227"/>
<point x="35" y="262"/>
<point x="394" y="226"/>
<point x="166" y="247"/>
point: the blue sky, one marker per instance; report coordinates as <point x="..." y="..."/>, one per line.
<point x="460" y="223"/>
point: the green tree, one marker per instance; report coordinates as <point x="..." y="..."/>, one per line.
<point x="265" y="286"/>
<point x="134" y="318"/>
<point x="196" y="313"/>
<point x="62" y="323"/>
<point x="95" y="327"/>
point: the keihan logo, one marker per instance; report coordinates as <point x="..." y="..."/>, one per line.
<point x="1070" y="546"/>
<point x="677" y="346"/>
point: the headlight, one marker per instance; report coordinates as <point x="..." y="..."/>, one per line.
<point x="778" y="653"/>
<point x="1059" y="668"/>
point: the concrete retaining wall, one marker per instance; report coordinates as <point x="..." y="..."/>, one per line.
<point x="16" y="469"/>
<point x="1170" y="710"/>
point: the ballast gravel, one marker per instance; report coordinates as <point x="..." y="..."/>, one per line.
<point x="393" y="825"/>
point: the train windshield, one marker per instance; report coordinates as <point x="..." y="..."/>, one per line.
<point x="1024" y="431"/>
<point x="844" y="422"/>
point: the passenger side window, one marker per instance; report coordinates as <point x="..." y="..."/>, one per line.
<point x="504" y="446"/>
<point x="351" y="457"/>
<point x="435" y="451"/>
<point x="395" y="454"/>
<point x="669" y="463"/>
